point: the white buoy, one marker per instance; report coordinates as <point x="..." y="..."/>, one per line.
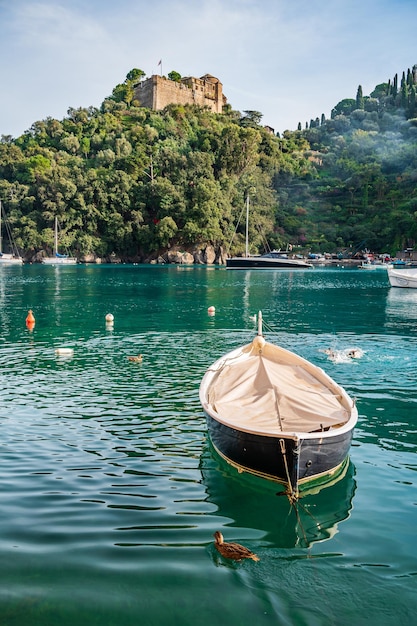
<point x="109" y="318"/>
<point x="211" y="310"/>
<point x="64" y="351"/>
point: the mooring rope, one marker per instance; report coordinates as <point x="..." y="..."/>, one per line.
<point x="292" y="493"/>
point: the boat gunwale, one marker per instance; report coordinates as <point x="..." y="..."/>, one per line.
<point x="295" y="435"/>
<point x="242" y="353"/>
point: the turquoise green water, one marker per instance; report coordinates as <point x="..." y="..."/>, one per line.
<point x="110" y="493"/>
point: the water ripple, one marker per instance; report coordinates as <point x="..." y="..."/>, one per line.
<point x="110" y="492"/>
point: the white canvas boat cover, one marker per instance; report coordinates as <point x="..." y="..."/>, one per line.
<point x="265" y="396"/>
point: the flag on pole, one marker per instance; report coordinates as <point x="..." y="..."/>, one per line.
<point x="160" y="62"/>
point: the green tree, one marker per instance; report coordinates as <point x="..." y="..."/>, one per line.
<point x="359" y="98"/>
<point x="135" y="76"/>
<point x="395" y="86"/>
<point x="404" y="95"/>
<point x="174" y="76"/>
<point x="251" y="118"/>
<point x="344" y="107"/>
<point x="381" y="91"/>
<point x="165" y="231"/>
<point x="412" y="110"/>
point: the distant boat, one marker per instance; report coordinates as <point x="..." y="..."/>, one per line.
<point x="7" y="258"/>
<point x="276" y="415"/>
<point x="276" y="259"/>
<point x="406" y="278"/>
<point x="369" y="265"/>
<point x="58" y="259"/>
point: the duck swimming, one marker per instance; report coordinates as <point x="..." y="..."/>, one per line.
<point x="340" y="356"/>
<point x="232" y="550"/>
<point x="135" y="359"/>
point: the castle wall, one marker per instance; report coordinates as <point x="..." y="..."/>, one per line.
<point x="144" y="92"/>
<point x="157" y="92"/>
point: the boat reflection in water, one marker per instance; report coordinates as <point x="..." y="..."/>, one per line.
<point x="252" y="502"/>
<point x="402" y="303"/>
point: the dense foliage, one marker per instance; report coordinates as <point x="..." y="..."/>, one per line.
<point x="127" y="180"/>
<point x="364" y="192"/>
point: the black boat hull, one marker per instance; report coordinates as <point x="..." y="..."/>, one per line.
<point x="285" y="459"/>
<point x="265" y="263"/>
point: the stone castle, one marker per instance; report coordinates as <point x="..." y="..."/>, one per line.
<point x="157" y="92"/>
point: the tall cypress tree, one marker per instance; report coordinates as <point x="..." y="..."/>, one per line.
<point x="412" y="102"/>
<point x="409" y="77"/>
<point x="395" y="86"/>
<point x="404" y="95"/>
<point x="359" y="98"/>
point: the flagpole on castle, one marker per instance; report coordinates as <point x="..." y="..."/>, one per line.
<point x="160" y="63"/>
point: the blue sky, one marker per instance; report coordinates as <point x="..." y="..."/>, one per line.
<point x="292" y="60"/>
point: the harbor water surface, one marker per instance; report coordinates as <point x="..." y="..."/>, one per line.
<point x="110" y="492"/>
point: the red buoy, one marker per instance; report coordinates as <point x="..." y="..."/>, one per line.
<point x="30" y="319"/>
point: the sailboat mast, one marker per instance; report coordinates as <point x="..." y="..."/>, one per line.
<point x="247" y="226"/>
<point x="56" y="237"/>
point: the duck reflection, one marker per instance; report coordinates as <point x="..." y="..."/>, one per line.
<point x="248" y="501"/>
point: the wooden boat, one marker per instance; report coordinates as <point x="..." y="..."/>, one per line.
<point x="274" y="414"/>
<point x="403" y="278"/>
<point x="57" y="258"/>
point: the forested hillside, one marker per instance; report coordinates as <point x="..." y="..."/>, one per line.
<point x="126" y="180"/>
<point x="366" y="158"/>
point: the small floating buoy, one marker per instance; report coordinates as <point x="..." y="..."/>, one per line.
<point x="109" y="318"/>
<point x="211" y="310"/>
<point x="135" y="359"/>
<point x="64" y="351"/>
<point x="30" y="319"/>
